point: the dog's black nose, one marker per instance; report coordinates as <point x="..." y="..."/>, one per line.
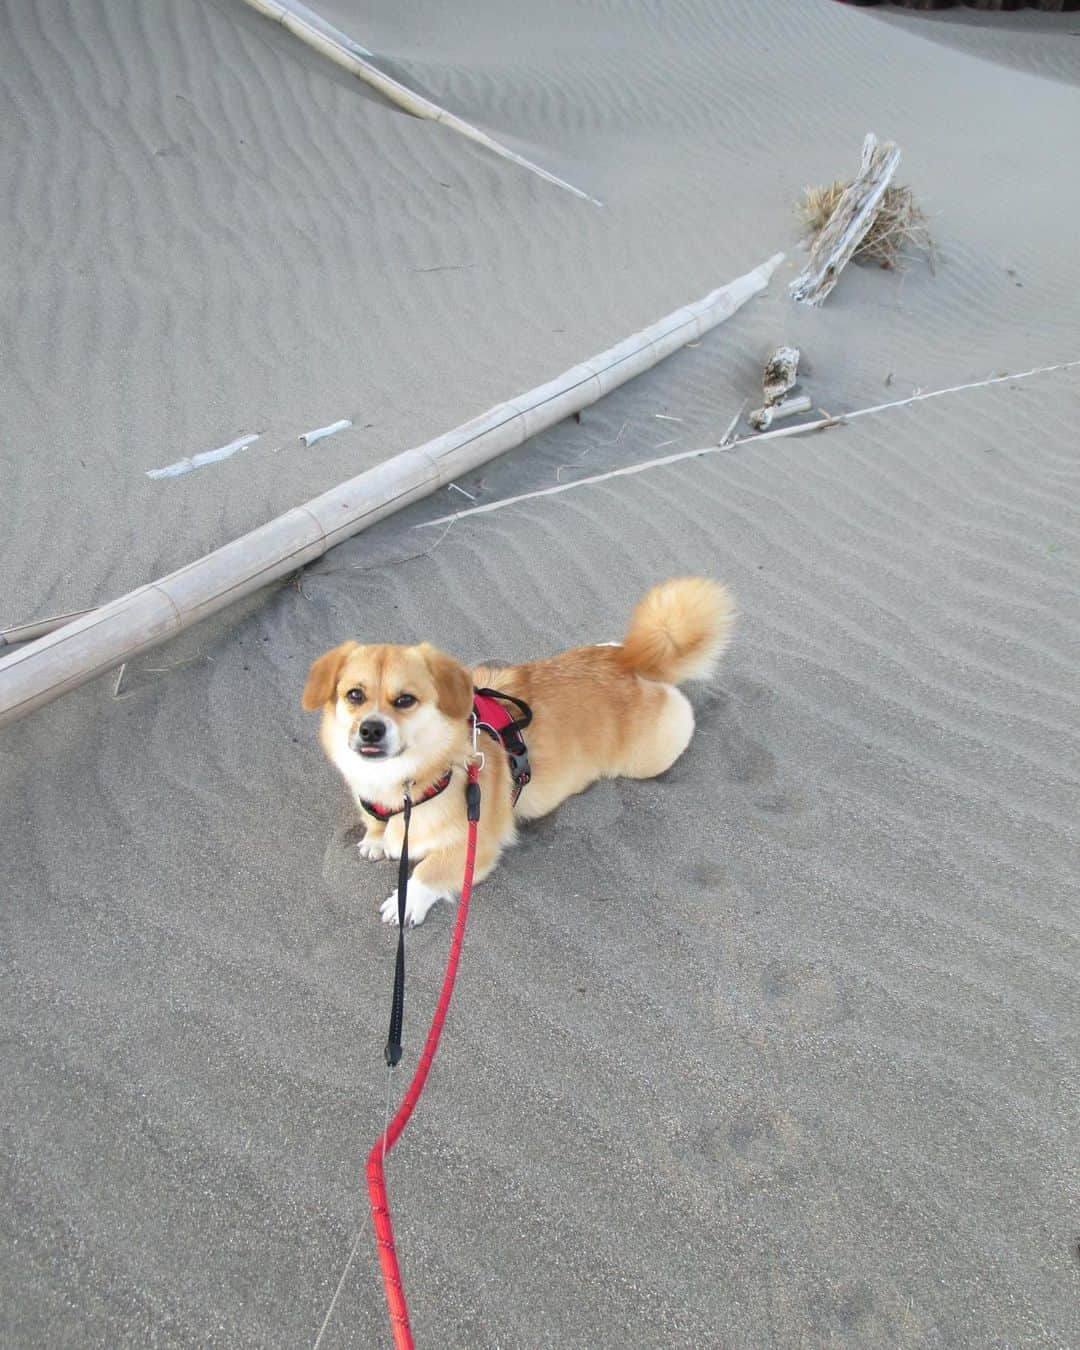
<point x="372" y="730"/>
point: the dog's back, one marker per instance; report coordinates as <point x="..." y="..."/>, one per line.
<point x="606" y="711"/>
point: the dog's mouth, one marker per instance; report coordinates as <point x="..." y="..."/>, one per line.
<point x="375" y="752"/>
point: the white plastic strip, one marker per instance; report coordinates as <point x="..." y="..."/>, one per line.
<point x="183" y="466"/>
<point x="321" y="433"/>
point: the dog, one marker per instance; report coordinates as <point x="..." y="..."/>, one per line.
<point x="399" y="718"/>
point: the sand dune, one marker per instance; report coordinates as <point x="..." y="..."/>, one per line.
<point x="260" y="245"/>
<point x="1038" y="43"/>
<point x="777" y="1050"/>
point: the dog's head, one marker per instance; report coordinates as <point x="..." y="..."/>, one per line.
<point x="405" y="705"/>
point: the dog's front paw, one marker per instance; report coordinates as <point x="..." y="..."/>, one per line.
<point x="418" y="901"/>
<point x="372" y="849"/>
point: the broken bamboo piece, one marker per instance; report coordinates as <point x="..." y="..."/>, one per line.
<point x="27" y="632"/>
<point x="42" y="670"/>
<point x="763" y="418"/>
<point x="311" y="28"/>
<point x="848" y="224"/>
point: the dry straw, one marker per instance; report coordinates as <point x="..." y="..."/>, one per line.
<point x="898" y="225"/>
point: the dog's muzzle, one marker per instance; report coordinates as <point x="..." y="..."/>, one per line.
<point x="374" y="738"/>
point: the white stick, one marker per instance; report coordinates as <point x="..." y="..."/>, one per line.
<point x="725" y="445"/>
<point x="42" y="670"/>
<point x="331" y="42"/>
<point x="847" y="226"/>
<point x="320" y="433"/>
<point x="729" y="434"/>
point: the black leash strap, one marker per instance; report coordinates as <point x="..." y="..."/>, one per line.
<point x="397" y="1005"/>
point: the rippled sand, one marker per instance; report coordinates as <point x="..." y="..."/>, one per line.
<point x="778" y="1050"/>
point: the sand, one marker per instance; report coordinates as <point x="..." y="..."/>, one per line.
<point x="778" y="1050"/>
<point x="261" y="246"/>
<point x="1041" y="44"/>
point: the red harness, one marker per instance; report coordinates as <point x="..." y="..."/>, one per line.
<point x="489" y="715"/>
<point x="502" y="726"/>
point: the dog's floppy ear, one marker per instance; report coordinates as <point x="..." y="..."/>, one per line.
<point x="453" y="683"/>
<point x="322" y="677"/>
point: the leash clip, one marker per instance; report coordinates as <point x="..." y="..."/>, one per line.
<point x="476" y="756"/>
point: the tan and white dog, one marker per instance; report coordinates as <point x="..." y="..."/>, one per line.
<point x="397" y="717"/>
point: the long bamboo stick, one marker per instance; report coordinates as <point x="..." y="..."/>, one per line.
<point x="42" y="670"/>
<point x="311" y="28"/>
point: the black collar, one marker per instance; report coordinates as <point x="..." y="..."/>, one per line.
<point x="385" y="813"/>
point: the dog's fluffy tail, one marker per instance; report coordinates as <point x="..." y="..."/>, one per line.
<point x="679" y="630"/>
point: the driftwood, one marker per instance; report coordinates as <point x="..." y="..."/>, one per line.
<point x="848" y="224"/>
<point x="898" y="224"/>
<point x="781" y="372"/>
<point x="39" y="671"/>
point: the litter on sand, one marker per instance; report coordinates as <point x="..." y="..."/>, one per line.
<point x="865" y="217"/>
<point x="781" y="372"/>
<point x="320" y="433"/>
<point x="183" y="466"/>
<point x="778" y="380"/>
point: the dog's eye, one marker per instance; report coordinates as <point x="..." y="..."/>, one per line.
<point x="355" y="696"/>
<point x="404" y="700"/>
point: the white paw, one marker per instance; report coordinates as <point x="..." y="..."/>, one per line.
<point x="372" y="849"/>
<point x="418" y="901"/>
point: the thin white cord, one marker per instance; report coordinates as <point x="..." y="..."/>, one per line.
<point x="725" y="446"/>
<point x="337" y="1291"/>
<point x="386" y="1116"/>
<point x="360" y="1232"/>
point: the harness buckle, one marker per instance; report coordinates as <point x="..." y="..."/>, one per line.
<point x="476" y="756"/>
<point x="519" y="767"/>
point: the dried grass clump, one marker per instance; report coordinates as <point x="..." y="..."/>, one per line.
<point x="898" y="224"/>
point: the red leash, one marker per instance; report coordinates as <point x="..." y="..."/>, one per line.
<point x="380" y="1210"/>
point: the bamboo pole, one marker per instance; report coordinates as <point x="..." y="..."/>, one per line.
<point x="42" y="670"/>
<point x="331" y="42"/>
